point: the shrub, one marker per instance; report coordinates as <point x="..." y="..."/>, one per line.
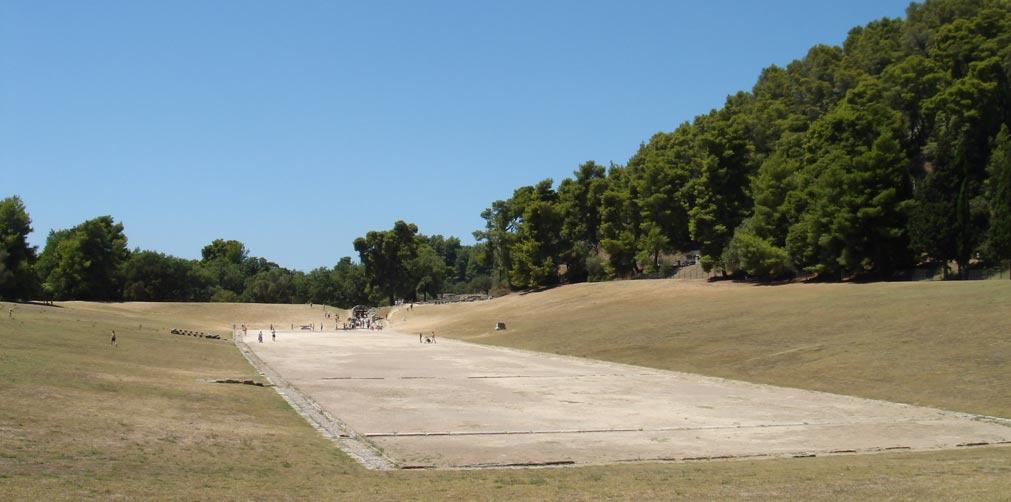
<point x="757" y="257"/>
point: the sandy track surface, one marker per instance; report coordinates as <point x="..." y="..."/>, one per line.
<point x="457" y="404"/>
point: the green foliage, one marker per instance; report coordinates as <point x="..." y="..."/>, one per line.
<point x="652" y="243"/>
<point x="853" y="219"/>
<point x="84" y="262"/>
<point x="620" y="223"/>
<point x="352" y="285"/>
<point x="660" y="173"/>
<point x="386" y="256"/>
<point x="91" y="262"/>
<point x="152" y="276"/>
<point x="595" y="269"/>
<point x="230" y="251"/>
<point x="998" y="197"/>
<point x="579" y="201"/>
<point x="498" y="234"/>
<point x="274" y="285"/>
<point x="538" y="242"/>
<point x="428" y="272"/>
<point x="857" y="160"/>
<point x="17" y="277"/>
<point x="756" y="257"/>
<point x="221" y="295"/>
<point x="724" y="165"/>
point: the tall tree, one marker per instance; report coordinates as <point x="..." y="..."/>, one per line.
<point x="153" y="276"/>
<point x="386" y="256"/>
<point x="944" y="225"/>
<point x="84" y="262"/>
<point x="17" y="277"/>
<point x="499" y="233"/>
<point x="223" y="261"/>
<point x="998" y="197"/>
<point x="274" y="285"/>
<point x="620" y="223"/>
<point x="428" y="273"/>
<point x="661" y="173"/>
<point x="579" y="201"/>
<point x="538" y="245"/>
<point x="231" y="251"/>
<point x="854" y="218"/>
<point x="724" y="164"/>
<point x="352" y="283"/>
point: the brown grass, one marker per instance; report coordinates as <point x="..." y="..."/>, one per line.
<point x="80" y="419"/>
<point x="945" y="345"/>
<point x="210" y="317"/>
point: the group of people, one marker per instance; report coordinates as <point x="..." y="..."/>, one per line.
<point x="259" y="336"/>
<point x="426" y="339"/>
<point x="363" y="323"/>
<point x="351" y="322"/>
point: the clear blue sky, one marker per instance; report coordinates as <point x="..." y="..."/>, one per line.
<point x="297" y="126"/>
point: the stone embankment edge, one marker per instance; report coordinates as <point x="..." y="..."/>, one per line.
<point x="349" y="441"/>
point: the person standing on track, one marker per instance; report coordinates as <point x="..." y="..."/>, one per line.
<point x="273" y="336"/>
<point x="260" y="337"/>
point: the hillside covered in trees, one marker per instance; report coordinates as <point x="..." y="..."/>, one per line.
<point x="857" y="161"/>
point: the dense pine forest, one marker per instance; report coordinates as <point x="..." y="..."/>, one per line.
<point x="861" y="161"/>
<point x="858" y="161"/>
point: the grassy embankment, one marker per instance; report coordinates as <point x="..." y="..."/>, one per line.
<point x="940" y="344"/>
<point x="81" y="419"/>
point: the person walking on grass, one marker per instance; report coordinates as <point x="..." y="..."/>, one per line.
<point x="113" y="340"/>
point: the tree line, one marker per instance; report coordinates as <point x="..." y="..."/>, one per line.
<point x="857" y="161"/>
<point x="863" y="160"/>
<point x="91" y="261"/>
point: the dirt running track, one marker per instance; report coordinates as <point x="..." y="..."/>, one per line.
<point x="457" y="404"/>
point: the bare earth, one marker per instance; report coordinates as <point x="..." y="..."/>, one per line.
<point x="457" y="404"/>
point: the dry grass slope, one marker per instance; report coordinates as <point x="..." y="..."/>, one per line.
<point x="82" y="420"/>
<point x="209" y="316"/>
<point x="945" y="345"/>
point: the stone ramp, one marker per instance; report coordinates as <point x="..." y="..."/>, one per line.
<point x="353" y="444"/>
<point x="454" y="404"/>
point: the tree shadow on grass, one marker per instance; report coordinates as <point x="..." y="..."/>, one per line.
<point x="35" y="303"/>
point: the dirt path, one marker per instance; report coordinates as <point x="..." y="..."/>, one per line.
<point x="355" y="445"/>
<point x="460" y="405"/>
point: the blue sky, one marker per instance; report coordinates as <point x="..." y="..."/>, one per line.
<point x="297" y="126"/>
